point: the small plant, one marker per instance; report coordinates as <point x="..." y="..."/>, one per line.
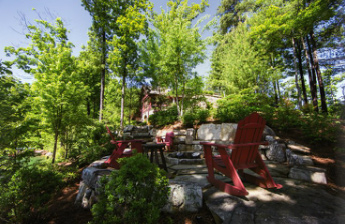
<point x="165" y="117"/>
<point x="196" y="117"/>
<point x="23" y="197"/>
<point x="133" y="194"/>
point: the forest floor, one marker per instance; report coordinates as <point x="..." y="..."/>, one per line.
<point x="62" y="209"/>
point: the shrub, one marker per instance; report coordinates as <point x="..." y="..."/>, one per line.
<point x="235" y="107"/>
<point x="133" y="194"/>
<point x="165" y="117"/>
<point x="23" y="198"/>
<point x="319" y="127"/>
<point x="191" y="118"/>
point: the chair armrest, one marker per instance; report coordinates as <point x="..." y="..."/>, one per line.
<point x="235" y="146"/>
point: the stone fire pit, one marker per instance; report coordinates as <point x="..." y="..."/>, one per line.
<point x="185" y="158"/>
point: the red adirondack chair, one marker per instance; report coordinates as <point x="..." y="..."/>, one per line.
<point x="121" y="150"/>
<point x="169" y="140"/>
<point x="244" y="155"/>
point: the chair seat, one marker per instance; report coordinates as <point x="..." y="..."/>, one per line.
<point x="219" y="161"/>
<point x="127" y="151"/>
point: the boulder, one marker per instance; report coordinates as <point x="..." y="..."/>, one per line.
<point x="128" y="128"/>
<point x="295" y="159"/>
<point x="197" y="148"/>
<point x="276" y="152"/>
<point x="208" y="132"/>
<point x="91" y="175"/>
<point x="190" y="136"/>
<point x="228" y="131"/>
<point x="184" y="197"/>
<point x="310" y="174"/>
<point x="293" y="146"/>
<point x="268" y="131"/>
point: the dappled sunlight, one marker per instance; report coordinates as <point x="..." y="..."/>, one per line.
<point x="269" y="196"/>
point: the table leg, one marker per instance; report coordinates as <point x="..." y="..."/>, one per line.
<point x="163" y="159"/>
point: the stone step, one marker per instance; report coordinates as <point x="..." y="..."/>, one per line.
<point x="309" y="173"/>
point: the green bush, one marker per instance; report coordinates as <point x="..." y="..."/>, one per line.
<point x="198" y="116"/>
<point x="24" y="196"/>
<point x="319" y="127"/>
<point x="165" y="117"/>
<point x="235" y="107"/>
<point x="133" y="194"/>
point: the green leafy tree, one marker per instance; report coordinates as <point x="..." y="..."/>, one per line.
<point x="131" y="23"/>
<point x="89" y="67"/>
<point x="57" y="91"/>
<point x="180" y="46"/>
<point x="103" y="18"/>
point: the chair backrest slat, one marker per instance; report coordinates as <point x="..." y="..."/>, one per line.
<point x="249" y="130"/>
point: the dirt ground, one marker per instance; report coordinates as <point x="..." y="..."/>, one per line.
<point x="62" y="209"/>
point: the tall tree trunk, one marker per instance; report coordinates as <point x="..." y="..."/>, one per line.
<point x="56" y="136"/>
<point x="299" y="98"/>
<point x="301" y="72"/>
<point x="312" y="81"/>
<point x="101" y="103"/>
<point x="123" y="91"/>
<point x="176" y="95"/>
<point x="316" y="67"/>
<point x="275" y="92"/>
<point x="278" y="89"/>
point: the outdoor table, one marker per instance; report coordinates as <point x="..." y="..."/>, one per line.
<point x="153" y="147"/>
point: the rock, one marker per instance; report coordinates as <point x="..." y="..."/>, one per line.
<point x="180" y="132"/>
<point x="294" y="159"/>
<point x="276" y="152"/>
<point x="184" y="197"/>
<point x="209" y="132"/>
<point x="268" y="131"/>
<point x="197" y="148"/>
<point x="128" y="128"/>
<point x="99" y="163"/>
<point x="81" y="192"/>
<point x="190" y="136"/>
<point x="228" y="131"/>
<point x="179" y="139"/>
<point x="310" y="174"/>
<point x="86" y="202"/>
<point x="127" y="135"/>
<point x="90" y="176"/>
<point x="294" y="203"/>
<point x="293" y="146"/>
<point x="153" y="132"/>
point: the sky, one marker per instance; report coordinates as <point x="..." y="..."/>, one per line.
<point x="76" y="19"/>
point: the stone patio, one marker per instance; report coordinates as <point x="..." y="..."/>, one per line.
<point x="304" y="197"/>
<point x="297" y="202"/>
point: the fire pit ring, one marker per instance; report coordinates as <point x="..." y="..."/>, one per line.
<point x="185" y="158"/>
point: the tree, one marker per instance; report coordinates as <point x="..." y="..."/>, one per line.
<point x="103" y="14"/>
<point x="89" y="67"/>
<point x="57" y="90"/>
<point x="130" y="23"/>
<point x="180" y="47"/>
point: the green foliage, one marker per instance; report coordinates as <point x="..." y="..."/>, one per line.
<point x="165" y="117"/>
<point x="24" y="196"/>
<point x="179" y="47"/>
<point x="198" y="116"/>
<point x="57" y="92"/>
<point x="235" y="107"/>
<point x="133" y="194"/>
<point x="320" y="127"/>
